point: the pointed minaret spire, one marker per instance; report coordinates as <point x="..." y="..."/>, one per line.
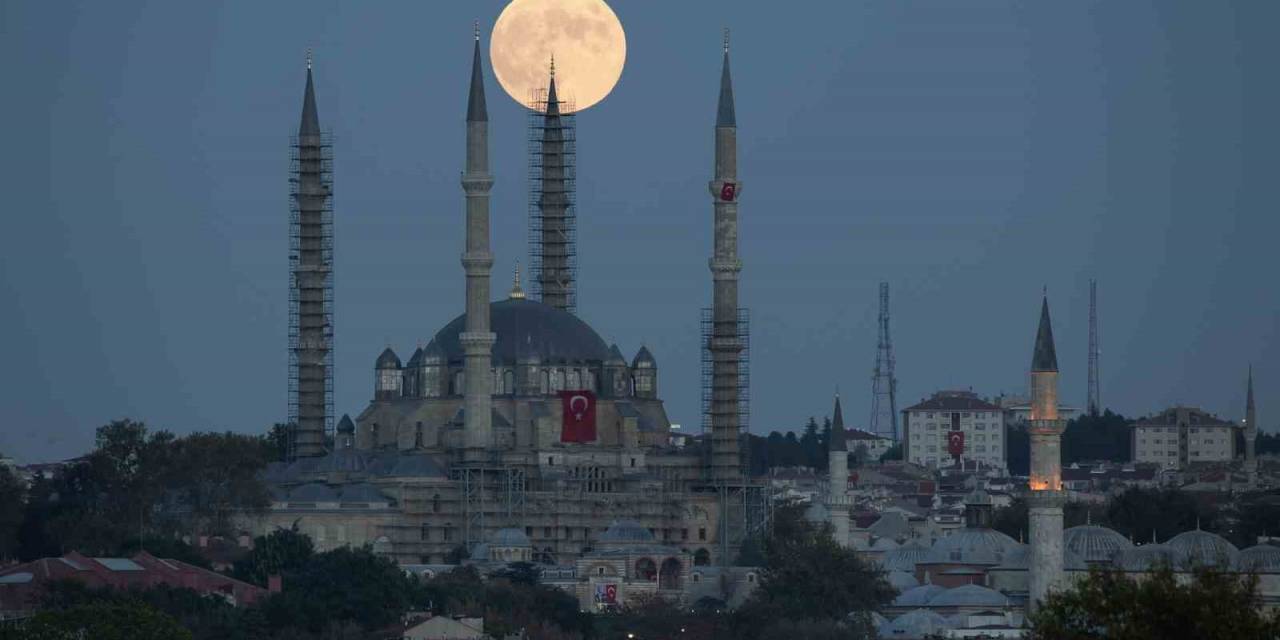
<point x="310" y="125"/>
<point x="552" y="226"/>
<point x="1045" y="356"/>
<point x="725" y="116"/>
<point x="476" y="109"/>
<point x="1250" y="433"/>
<point x="837" y="428"/>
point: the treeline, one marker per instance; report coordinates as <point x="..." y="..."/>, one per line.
<point x="1102" y="437"/>
<point x="135" y="486"/>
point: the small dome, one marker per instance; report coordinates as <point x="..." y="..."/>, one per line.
<point x="901" y="580"/>
<point x="361" y="492"/>
<point x="918" y="596"/>
<point x="1095" y="544"/>
<point x="553" y="334"/>
<point x="388" y="360"/>
<point x="1263" y="558"/>
<point x="615" y="357"/>
<point x="905" y="557"/>
<point x="432" y="354"/>
<point x="969" y="595"/>
<point x="972" y="546"/>
<point x="644" y="359"/>
<point x="1147" y="556"/>
<point x="626" y="531"/>
<point x="1203" y="547"/>
<point x="509" y="537"/>
<point x="916" y="624"/>
<point x="313" y="492"/>
<point x="345" y="425"/>
<point x="415" y="359"/>
<point x="345" y="459"/>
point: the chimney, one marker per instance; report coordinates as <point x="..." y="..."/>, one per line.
<point x="274" y="583"/>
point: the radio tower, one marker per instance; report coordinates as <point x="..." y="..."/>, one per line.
<point x="1095" y="406"/>
<point x="884" y="384"/>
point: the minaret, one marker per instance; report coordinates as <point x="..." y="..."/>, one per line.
<point x="1250" y="434"/>
<point x="477" y="341"/>
<point x="725" y="342"/>
<point x="838" y="478"/>
<point x="555" y="269"/>
<point x="1046" y="498"/>
<point x="311" y="284"/>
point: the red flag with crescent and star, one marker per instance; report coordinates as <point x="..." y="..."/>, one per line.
<point x="728" y="191"/>
<point x="579" y="421"/>
<point x="955" y="443"/>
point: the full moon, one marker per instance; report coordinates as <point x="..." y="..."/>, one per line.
<point x="585" y="37"/>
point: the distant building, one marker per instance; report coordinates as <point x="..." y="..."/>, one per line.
<point x="22" y="585"/>
<point x="927" y="429"/>
<point x="875" y="445"/>
<point x="446" y="628"/>
<point x="1179" y="436"/>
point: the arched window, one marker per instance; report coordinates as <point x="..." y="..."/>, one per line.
<point x="546" y="382"/>
<point x="508" y="381"/>
<point x="646" y="569"/>
<point x="495" y="381"/>
<point x="458" y="382"/>
<point x="435" y="503"/>
<point x="669" y="576"/>
<point x="557" y="380"/>
<point x="572" y="379"/>
<point x="701" y="558"/>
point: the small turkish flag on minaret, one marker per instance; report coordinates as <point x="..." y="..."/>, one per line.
<point x="578" y="423"/>
<point x="728" y="191"/>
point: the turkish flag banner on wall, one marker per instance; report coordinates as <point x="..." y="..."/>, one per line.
<point x="955" y="443"/>
<point x="579" y="421"/>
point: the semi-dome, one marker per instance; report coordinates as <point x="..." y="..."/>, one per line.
<point x="905" y="557"/>
<point x="901" y="580"/>
<point x="1263" y="558"/>
<point x="972" y="546"/>
<point x="388" y="360"/>
<point x="918" y="596"/>
<point x="1203" y="547"/>
<point x="626" y="531"/>
<point x="916" y="624"/>
<point x="362" y="492"/>
<point x="969" y="595"/>
<point x="509" y="537"/>
<point x="415" y="360"/>
<point x="525" y="326"/>
<point x="1095" y="544"/>
<point x="313" y="492"/>
<point x="1147" y="557"/>
<point x="433" y="354"/>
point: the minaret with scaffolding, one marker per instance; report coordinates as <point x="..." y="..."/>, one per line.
<point x="552" y="212"/>
<point x="1094" y="401"/>
<point x="1250" y="434"/>
<point x="310" y="284"/>
<point x="884" y="381"/>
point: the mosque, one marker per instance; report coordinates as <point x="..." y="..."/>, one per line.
<point x="516" y="433"/>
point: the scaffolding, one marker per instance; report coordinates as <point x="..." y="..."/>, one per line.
<point x="310" y="295"/>
<point x="553" y="260"/>
<point x="743" y="380"/>
<point x="489" y="491"/>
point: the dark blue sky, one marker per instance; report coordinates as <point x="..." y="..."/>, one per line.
<point x="967" y="152"/>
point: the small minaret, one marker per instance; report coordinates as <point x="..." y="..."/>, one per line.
<point x="555" y="276"/>
<point x="477" y="341"/>
<point x="838" y="477"/>
<point x="1250" y="434"/>
<point x="311" y="284"/>
<point x="725" y="342"/>
<point x="1046" y="498"/>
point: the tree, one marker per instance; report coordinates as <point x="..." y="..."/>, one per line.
<point x="892" y="453"/>
<point x="1108" y="604"/>
<point x="343" y="586"/>
<point x="1018" y="449"/>
<point x="1101" y="437"/>
<point x="12" y="499"/>
<point x="278" y="442"/>
<point x="219" y="479"/>
<point x="1138" y="513"/>
<point x="278" y="552"/>
<point x="103" y="621"/>
<point x="811" y="445"/>
<point x="808" y="576"/>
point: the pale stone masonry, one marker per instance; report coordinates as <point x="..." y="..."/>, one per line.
<point x="1046" y="497"/>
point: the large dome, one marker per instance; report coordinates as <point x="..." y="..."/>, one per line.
<point x="1203" y="547"/>
<point x="525" y="326"/>
<point x="972" y="546"/>
<point x="1094" y="543"/>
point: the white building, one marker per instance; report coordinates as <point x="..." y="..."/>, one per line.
<point x="1179" y="436"/>
<point x="927" y="430"/>
<point x="875" y="445"/>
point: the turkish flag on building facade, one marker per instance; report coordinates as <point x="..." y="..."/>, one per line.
<point x="955" y="443"/>
<point x="579" y="416"/>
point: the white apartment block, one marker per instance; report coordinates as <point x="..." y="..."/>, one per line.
<point x="926" y="429"/>
<point x="1179" y="436"/>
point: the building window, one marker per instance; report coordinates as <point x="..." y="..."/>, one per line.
<point x="426" y="533"/>
<point x="633" y="462"/>
<point x="684" y="534"/>
<point x="702" y="533"/>
<point x="546" y="532"/>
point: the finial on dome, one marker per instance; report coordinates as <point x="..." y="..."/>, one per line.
<point x="477" y="30"/>
<point x="308" y="58"/>
<point x="516" y="292"/>
<point x="726" y="39"/>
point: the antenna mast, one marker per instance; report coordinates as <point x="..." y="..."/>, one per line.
<point x="884" y="383"/>
<point x="1094" y="404"/>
